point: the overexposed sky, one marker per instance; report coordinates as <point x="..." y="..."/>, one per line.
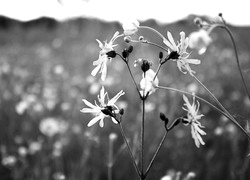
<point x="235" y="12"/>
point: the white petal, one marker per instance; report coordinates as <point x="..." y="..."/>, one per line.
<point x="94" y="120"/>
<point x="94" y="71"/>
<point x="89" y="104"/>
<point x="88" y="110"/>
<point x="115" y="98"/>
<point x="171" y="39"/>
<point x="101" y="123"/>
<point x="114" y="121"/>
<point x="104" y="71"/>
<point x="100" y="44"/>
<point x="193" y="61"/>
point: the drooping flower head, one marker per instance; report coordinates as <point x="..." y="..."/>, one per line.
<point x="101" y="63"/>
<point x="130" y="26"/>
<point x="148" y="83"/>
<point x="192" y="119"/>
<point x="199" y="40"/>
<point x="179" y="53"/>
<point x="106" y="107"/>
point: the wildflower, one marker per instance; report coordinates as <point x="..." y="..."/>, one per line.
<point x="130" y="26"/>
<point x="51" y="126"/>
<point x="148" y="83"/>
<point x="199" y="40"/>
<point x="104" y="109"/>
<point x="101" y="62"/>
<point x="179" y="53"/>
<point x="192" y="119"/>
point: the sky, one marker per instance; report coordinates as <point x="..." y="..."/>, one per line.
<point x="165" y="11"/>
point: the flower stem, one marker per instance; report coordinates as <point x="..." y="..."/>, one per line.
<point x="130" y="72"/>
<point x="221" y="106"/>
<point x="155" y="154"/>
<point x="130" y="151"/>
<point x="150" y="43"/>
<point x="153" y="30"/>
<point x="142" y="136"/>
<point x="211" y="105"/>
<point x="225" y="27"/>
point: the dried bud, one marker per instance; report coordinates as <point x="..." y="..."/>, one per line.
<point x="160" y="55"/>
<point x="127" y="39"/>
<point x="111" y="54"/>
<point x="220" y="14"/>
<point x="163" y="117"/>
<point x="121" y="112"/>
<point x="145" y="65"/>
<point x="130" y="49"/>
<point x="125" y="53"/>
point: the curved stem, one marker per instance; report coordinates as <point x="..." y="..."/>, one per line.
<point x="150" y="43"/>
<point x="225" y="27"/>
<point x="221" y="106"/>
<point x="155" y="154"/>
<point x="211" y="105"/>
<point x="131" y="75"/>
<point x="153" y="30"/>
<point x="129" y="149"/>
<point x="142" y="136"/>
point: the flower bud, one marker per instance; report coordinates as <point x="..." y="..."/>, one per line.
<point x="145" y="66"/>
<point x="160" y="55"/>
<point x="121" y="112"/>
<point x="220" y="14"/>
<point x="163" y="117"/>
<point x="125" y="53"/>
<point x="111" y="54"/>
<point x="130" y="49"/>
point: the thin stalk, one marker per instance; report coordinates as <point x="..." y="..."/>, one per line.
<point x="130" y="151"/>
<point x="237" y="60"/>
<point x="110" y="163"/>
<point x="155" y="154"/>
<point x="133" y="79"/>
<point x="150" y="43"/>
<point x="131" y="75"/>
<point x="211" y="105"/>
<point x="142" y="136"/>
<point x="225" y="27"/>
<point x="153" y="30"/>
<point x="221" y="106"/>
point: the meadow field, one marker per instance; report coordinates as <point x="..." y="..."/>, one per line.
<point x="45" y="71"/>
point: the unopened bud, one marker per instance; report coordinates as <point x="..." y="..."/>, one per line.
<point x="121" y="112"/>
<point x="145" y="66"/>
<point x="125" y="53"/>
<point x="127" y="39"/>
<point x="111" y="54"/>
<point x="163" y="117"/>
<point x="220" y="14"/>
<point x="130" y="49"/>
<point x="160" y="55"/>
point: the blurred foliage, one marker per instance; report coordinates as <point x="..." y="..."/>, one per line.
<point x="45" y="72"/>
